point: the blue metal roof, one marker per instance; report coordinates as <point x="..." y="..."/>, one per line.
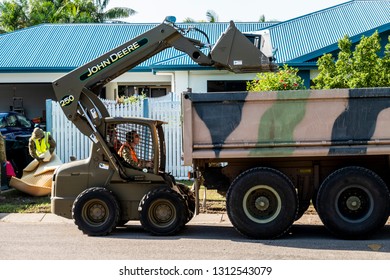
<point x="305" y="38"/>
<point x="299" y="41"/>
<point x="67" y="46"/>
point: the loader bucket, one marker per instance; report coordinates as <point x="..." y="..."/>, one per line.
<point x="235" y="50"/>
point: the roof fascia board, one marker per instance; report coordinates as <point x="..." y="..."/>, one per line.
<point x="34" y="70"/>
<point x="56" y="70"/>
<point x="180" y="68"/>
<point x="304" y="65"/>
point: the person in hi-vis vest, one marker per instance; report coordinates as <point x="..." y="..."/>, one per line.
<point x="127" y="151"/>
<point x="41" y="145"/>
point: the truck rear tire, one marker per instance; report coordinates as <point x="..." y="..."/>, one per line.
<point x="96" y="211"/>
<point x="303" y="206"/>
<point x="163" y="212"/>
<point x="353" y="202"/>
<point x="262" y="203"/>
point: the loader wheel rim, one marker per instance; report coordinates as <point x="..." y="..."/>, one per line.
<point x="354" y="204"/>
<point x="162" y="213"/>
<point x="95" y="212"/>
<point x="262" y="204"/>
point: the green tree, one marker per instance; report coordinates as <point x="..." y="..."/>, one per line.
<point x="286" y="78"/>
<point x="262" y="18"/>
<point x="102" y="14"/>
<point x="75" y="11"/>
<point x="189" y="20"/>
<point x="335" y="74"/>
<point x="355" y="69"/>
<point x="366" y="63"/>
<point x="16" y="14"/>
<point x="211" y="16"/>
<point x="13" y="15"/>
<point x="385" y="65"/>
<point x="57" y="11"/>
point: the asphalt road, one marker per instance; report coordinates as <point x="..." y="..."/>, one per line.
<point x="206" y="237"/>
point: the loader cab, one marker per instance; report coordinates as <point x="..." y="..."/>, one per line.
<point x="151" y="145"/>
<point x="262" y="41"/>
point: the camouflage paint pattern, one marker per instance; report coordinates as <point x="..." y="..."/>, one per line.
<point x="286" y="123"/>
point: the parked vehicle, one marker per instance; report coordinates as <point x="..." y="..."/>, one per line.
<point x="13" y="124"/>
<point x="17" y="129"/>
<point x="273" y="153"/>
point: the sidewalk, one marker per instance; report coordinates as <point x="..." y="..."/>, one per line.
<point x="201" y="219"/>
<point x="54" y="219"/>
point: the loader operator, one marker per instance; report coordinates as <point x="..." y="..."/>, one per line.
<point x="41" y="145"/>
<point x="128" y="153"/>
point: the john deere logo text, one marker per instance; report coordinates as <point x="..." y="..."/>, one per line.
<point x="112" y="58"/>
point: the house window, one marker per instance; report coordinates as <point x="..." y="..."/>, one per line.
<point x="158" y="92"/>
<point x="148" y="91"/>
<point x="218" y="86"/>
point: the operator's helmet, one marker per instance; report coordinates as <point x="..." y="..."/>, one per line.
<point x="131" y="135"/>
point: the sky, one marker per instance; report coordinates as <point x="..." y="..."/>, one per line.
<point x="154" y="11"/>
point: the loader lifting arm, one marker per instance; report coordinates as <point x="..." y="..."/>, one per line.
<point x="77" y="91"/>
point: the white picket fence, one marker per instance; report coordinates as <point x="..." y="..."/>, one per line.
<point x="71" y="142"/>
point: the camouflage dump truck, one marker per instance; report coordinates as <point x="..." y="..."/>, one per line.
<point x="274" y="153"/>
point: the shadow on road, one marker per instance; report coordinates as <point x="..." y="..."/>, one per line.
<point x="299" y="236"/>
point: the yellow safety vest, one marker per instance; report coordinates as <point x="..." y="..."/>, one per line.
<point x="42" y="145"/>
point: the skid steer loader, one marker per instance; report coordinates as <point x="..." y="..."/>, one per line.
<point x="104" y="191"/>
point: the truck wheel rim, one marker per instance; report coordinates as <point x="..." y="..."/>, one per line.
<point x="162" y="213"/>
<point x="262" y="204"/>
<point x="95" y="212"/>
<point x="354" y="204"/>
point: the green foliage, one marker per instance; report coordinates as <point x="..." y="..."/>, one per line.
<point x="102" y="14"/>
<point x="355" y="69"/>
<point x="17" y="14"/>
<point x="262" y="18"/>
<point x="13" y="15"/>
<point x="385" y="65"/>
<point x="211" y="16"/>
<point x="189" y="20"/>
<point x="130" y="99"/>
<point x="14" y="201"/>
<point x="285" y="78"/>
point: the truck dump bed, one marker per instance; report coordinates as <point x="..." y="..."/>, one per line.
<point x="286" y="123"/>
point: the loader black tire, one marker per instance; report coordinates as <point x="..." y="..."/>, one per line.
<point x="96" y="211"/>
<point x="190" y="200"/>
<point x="163" y="211"/>
<point x="353" y="203"/>
<point x="262" y="203"/>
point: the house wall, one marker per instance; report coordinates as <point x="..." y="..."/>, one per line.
<point x="198" y="79"/>
<point x="178" y="81"/>
<point x="306" y="76"/>
<point x="133" y="78"/>
<point x="33" y="95"/>
<point x="29" y="77"/>
<point x="35" y="88"/>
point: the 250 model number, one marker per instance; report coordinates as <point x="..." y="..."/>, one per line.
<point x="239" y="270"/>
<point x="66" y="100"/>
